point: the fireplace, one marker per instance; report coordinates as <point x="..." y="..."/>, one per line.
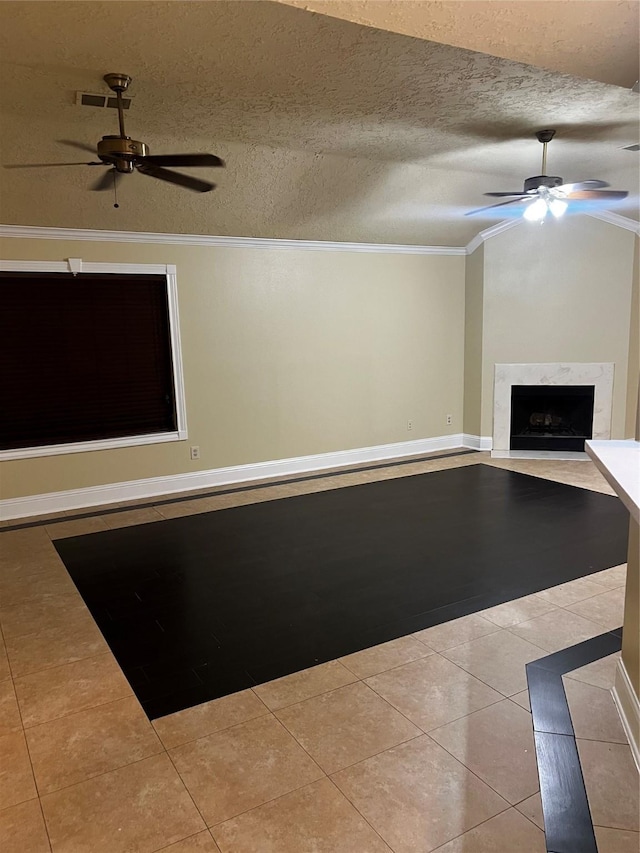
<point x="551" y="417"/>
<point x="543" y="428"/>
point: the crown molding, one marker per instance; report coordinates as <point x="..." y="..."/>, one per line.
<point x="505" y="225"/>
<point x="42" y="233"/>
<point x="616" y="219"/>
<point x="493" y="231"/>
<point x="36" y="232"/>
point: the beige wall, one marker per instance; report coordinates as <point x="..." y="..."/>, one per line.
<point x="286" y="353"/>
<point x="473" y="321"/>
<point x="560" y="291"/>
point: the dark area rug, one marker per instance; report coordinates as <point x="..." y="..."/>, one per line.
<point x="198" y="607"/>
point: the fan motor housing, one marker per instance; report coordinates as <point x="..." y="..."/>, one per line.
<point x="532" y="184"/>
<point x="121" y="151"/>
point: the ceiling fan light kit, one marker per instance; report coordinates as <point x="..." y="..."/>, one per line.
<point x="124" y="155"/>
<point x="543" y="194"/>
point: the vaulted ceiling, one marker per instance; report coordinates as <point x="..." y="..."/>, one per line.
<point x="331" y="129"/>
<point x="597" y="40"/>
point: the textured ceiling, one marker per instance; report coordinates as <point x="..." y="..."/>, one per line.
<point x="331" y="130"/>
<point x="598" y="39"/>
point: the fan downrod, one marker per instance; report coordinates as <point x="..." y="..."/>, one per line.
<point x="543" y="136"/>
<point x="117" y="82"/>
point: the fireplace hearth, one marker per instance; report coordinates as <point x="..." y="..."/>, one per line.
<point x="551" y="417"/>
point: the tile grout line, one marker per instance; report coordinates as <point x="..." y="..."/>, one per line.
<point x="473" y="773"/>
<point x="360" y="760"/>
<point x="100" y="775"/>
<point x="295" y="790"/>
<point x="26" y="742"/>
<point x="357" y="810"/>
<point x="181" y="840"/>
<point x="90" y="707"/>
<point x="273" y="799"/>
<point x="501" y="699"/>
<point x="191" y="797"/>
<point x="515" y="806"/>
<point x="482" y="823"/>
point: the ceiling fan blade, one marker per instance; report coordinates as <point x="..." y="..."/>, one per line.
<point x="583" y="185"/>
<point x="522" y="199"/>
<point x="184" y="160"/>
<point x="106" y="181"/>
<point x="507" y="195"/>
<point x="81" y="145"/>
<point x="186" y="181"/>
<point x="593" y="195"/>
<point x="44" y="165"/>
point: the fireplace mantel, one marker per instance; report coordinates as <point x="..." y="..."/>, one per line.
<point x="600" y="375"/>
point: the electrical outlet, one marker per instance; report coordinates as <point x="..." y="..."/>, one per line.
<point x="194" y="452"/>
<point x="409" y="424"/>
<point x="449" y="420"/>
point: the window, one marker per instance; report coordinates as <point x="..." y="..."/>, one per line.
<point x="89" y="360"/>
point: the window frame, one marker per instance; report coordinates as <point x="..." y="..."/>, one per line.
<point x="75" y="266"/>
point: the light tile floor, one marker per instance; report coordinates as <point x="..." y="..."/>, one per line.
<point x="421" y="745"/>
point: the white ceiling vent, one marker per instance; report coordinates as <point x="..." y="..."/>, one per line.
<point x="90" y="99"/>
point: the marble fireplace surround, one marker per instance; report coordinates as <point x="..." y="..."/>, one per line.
<point x="559" y="373"/>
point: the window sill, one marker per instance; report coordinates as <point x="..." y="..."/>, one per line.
<point x="85" y="446"/>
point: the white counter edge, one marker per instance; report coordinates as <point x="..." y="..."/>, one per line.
<point x="619" y="462"/>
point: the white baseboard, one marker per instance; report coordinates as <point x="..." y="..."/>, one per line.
<point x="156" y="486"/>
<point x="477" y="442"/>
<point x="628" y="706"/>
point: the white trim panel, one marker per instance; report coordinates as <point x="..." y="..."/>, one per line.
<point x="77" y="265"/>
<point x="477" y="442"/>
<point x="493" y="231"/>
<point x="35" y="232"/>
<point x="64" y="266"/>
<point x="179" y="392"/>
<point x="85" y="446"/>
<point x="628" y="706"/>
<point x="158" y="486"/>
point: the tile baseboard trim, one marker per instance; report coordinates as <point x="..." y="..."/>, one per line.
<point x="628" y="706"/>
<point x="477" y="442"/>
<point x="152" y="487"/>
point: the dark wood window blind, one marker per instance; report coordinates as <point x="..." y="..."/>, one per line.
<point x="83" y="358"/>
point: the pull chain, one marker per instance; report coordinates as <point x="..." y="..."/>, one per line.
<point x="115" y="190"/>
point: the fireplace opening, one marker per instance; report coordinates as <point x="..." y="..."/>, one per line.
<point x="551" y="417"/>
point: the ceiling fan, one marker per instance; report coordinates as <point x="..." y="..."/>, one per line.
<point x="548" y="192"/>
<point x="122" y="154"/>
